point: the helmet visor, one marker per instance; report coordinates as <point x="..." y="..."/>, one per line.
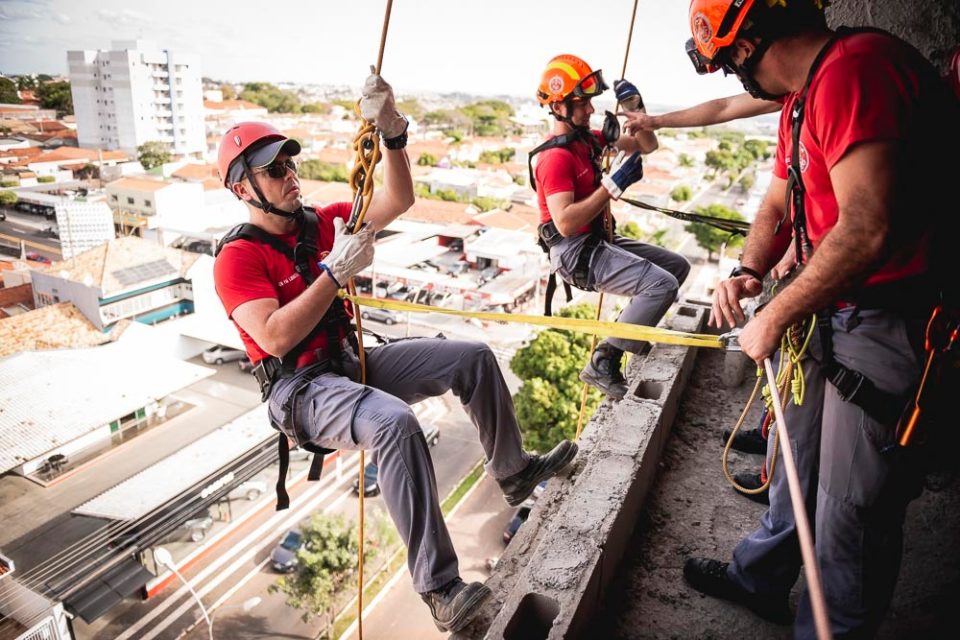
<point x="590" y="86"/>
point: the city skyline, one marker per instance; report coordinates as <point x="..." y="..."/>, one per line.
<point x="500" y="51"/>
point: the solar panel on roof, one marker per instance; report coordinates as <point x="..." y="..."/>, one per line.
<point x="145" y="271"/>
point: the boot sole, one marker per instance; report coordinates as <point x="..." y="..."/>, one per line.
<point x="586" y="379"/>
<point x="467" y="613"/>
<point x="516" y="501"/>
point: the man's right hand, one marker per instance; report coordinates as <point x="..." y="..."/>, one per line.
<point x="639" y="121"/>
<point x="727" y="296"/>
<point x="351" y="252"/>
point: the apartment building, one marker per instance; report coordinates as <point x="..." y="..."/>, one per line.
<point x="135" y="93"/>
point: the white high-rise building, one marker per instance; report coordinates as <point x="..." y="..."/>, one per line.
<point x="136" y="93"/>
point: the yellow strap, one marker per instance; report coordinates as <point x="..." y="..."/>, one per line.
<point x="591" y="327"/>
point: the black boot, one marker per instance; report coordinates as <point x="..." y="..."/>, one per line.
<point x="710" y="578"/>
<point x="751" y="441"/>
<point x="752" y="481"/>
<point x="454" y="604"/>
<point x="603" y="372"/>
<point x="519" y="486"/>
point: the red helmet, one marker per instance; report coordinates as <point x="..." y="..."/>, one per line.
<point x="246" y="135"/>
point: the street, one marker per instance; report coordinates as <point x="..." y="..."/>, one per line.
<point x="27" y="227"/>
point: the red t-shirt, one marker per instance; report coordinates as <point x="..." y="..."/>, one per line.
<point x="873" y="87"/>
<point x="562" y="170"/>
<point x="249" y="270"/>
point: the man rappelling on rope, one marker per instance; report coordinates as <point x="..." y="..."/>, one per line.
<point x="863" y="116"/>
<point x="278" y="278"/>
<point x="574" y="198"/>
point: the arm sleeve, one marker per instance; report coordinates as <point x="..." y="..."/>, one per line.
<point x="240" y="275"/>
<point x="780" y="161"/>
<point x="858" y="99"/>
<point x="555" y="172"/>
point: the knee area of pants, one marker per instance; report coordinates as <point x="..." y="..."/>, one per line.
<point x="402" y="422"/>
<point x="477" y="352"/>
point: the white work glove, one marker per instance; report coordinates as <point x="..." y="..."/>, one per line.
<point x="379" y="107"/>
<point x="624" y="171"/>
<point x="351" y="252"/>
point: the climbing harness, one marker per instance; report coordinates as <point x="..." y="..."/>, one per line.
<point x="335" y="323"/>
<point x="733" y="227"/>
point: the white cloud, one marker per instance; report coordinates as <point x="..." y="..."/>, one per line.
<point x="62" y="18"/>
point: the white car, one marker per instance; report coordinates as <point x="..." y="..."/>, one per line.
<point x="220" y="354"/>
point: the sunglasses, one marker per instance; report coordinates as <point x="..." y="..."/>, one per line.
<point x="277" y="170"/>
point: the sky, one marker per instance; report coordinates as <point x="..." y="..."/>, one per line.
<point x="487" y="47"/>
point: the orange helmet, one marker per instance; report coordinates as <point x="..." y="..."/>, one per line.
<point x="568" y="76"/>
<point x="715" y="23"/>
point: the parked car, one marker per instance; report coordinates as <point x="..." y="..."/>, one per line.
<point x="199" y="246"/>
<point x="381" y="315"/>
<point x="245" y="364"/>
<point x="220" y="354"/>
<point x="3" y="216"/>
<point x="283" y="558"/>
<point x="37" y="257"/>
<point x="50" y="232"/>
<point x="523" y="512"/>
<point x="457" y="268"/>
<point x="371" y="486"/>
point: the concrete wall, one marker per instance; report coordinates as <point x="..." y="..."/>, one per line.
<point x="933" y="26"/>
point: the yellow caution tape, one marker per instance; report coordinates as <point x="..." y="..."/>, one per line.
<point x="591" y="327"/>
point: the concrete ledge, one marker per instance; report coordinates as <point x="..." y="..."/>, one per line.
<point x="552" y="576"/>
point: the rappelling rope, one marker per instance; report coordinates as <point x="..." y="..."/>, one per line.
<point x="790" y="377"/>
<point x="609" y="229"/>
<point x="366" y="146"/>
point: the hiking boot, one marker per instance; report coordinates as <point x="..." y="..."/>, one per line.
<point x="519" y="486"/>
<point x="751" y="441"/>
<point x="454" y="604"/>
<point x="603" y="372"/>
<point x="710" y="577"/>
<point x="752" y="481"/>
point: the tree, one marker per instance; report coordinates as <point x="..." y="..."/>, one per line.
<point x="411" y="107"/>
<point x="427" y="160"/>
<point x="685" y="160"/>
<point x="630" y="230"/>
<point x="153" y="154"/>
<point x="325" y="171"/>
<point x="317" y="107"/>
<point x="89" y="172"/>
<point x="8" y="198"/>
<point x="228" y="91"/>
<point x="8" y="92"/>
<point x="488" y="204"/>
<point x="710" y="238"/>
<point x="747" y="181"/>
<point x="25" y="83"/>
<point x="499" y="156"/>
<point x="327" y="562"/>
<point x="489" y="117"/>
<point x="759" y="149"/>
<point x="275" y="100"/>
<point x="681" y="193"/>
<point x="56" y="95"/>
<point x="548" y="402"/>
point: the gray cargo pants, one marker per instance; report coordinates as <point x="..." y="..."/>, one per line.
<point x="334" y="412"/>
<point x="856" y="494"/>
<point x="649" y="275"/>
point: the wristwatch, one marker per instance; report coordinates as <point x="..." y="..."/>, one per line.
<point x="397" y="142"/>
<point x="741" y="270"/>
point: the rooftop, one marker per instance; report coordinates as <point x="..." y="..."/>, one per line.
<point x="58" y="326"/>
<point x="138" y="184"/>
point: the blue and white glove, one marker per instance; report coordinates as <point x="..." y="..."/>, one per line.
<point x="627" y="95"/>
<point x="623" y="173"/>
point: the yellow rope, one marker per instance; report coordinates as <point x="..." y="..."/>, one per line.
<point x="366" y="146"/>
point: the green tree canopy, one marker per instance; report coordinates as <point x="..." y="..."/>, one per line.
<point x="275" y="100"/>
<point x="327" y="562"/>
<point x="485" y="203"/>
<point x="8" y="198"/>
<point x="489" y="117"/>
<point x="681" y="193"/>
<point x="747" y="181"/>
<point x="427" y="160"/>
<point x="25" y="82"/>
<point x="326" y="171"/>
<point x="759" y="149"/>
<point x="322" y="108"/>
<point x="56" y="95"/>
<point x="498" y="156"/>
<point x="8" y="91"/>
<point x="228" y="91"/>
<point x="548" y="402"/>
<point x="710" y="238"/>
<point x="685" y="160"/>
<point x="153" y="154"/>
<point x="411" y="107"/>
